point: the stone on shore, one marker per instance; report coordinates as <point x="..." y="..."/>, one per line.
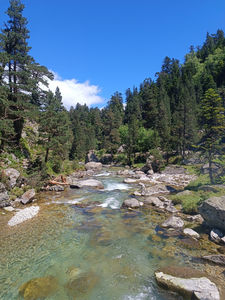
<point x="190" y="283"/>
<point x="4" y="195"/>
<point x="11" y="175"/>
<point x="91" y="157"/>
<point x="191" y="232"/>
<point x="23" y="215"/>
<point x="28" y="197"/>
<point x="213" y="212"/>
<point x="156" y="189"/>
<point x="216" y="235"/>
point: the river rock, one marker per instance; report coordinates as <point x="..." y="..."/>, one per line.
<point x="91" y="157"/>
<point x="191" y="284"/>
<point x="129" y="180"/>
<point x="213" y="212"/>
<point x="196" y="218"/>
<point x="130" y="203"/>
<point x="147" y="167"/>
<point x="191" y="232"/>
<point x="216" y="235"/>
<point x="123" y="172"/>
<point x="10" y="176"/>
<point x="38" y="288"/>
<point x="90" y="183"/>
<point x="24" y="215"/>
<point x="154" y="201"/>
<point x="173" y="222"/>
<point x="156" y="189"/>
<point x="4" y="195"/>
<point x="173" y="170"/>
<point x="55" y="188"/>
<point x="28" y="196"/>
<point x="95" y="166"/>
<point x="217" y="259"/>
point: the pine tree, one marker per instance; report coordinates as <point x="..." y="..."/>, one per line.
<point x="214" y="125"/>
<point x="21" y="75"/>
<point x="55" y="127"/>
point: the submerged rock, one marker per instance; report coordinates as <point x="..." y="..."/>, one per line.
<point x="190" y="283"/>
<point x="217" y="259"/>
<point x="173" y="222"/>
<point x="24" y="215"/>
<point x="82" y="284"/>
<point x="38" y="288"/>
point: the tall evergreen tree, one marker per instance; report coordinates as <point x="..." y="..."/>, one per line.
<point x="21" y="75"/>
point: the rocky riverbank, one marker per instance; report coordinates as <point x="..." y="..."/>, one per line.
<point x="150" y="196"/>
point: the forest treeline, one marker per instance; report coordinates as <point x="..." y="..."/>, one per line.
<point x="171" y="113"/>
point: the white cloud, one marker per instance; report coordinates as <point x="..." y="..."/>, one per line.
<point x="74" y="92"/>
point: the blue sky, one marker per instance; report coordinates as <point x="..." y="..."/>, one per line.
<point x="96" y="48"/>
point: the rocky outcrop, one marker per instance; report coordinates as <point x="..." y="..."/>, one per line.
<point x="91" y="157"/>
<point x="216" y="168"/>
<point x="24" y="215"/>
<point x="156" y="189"/>
<point x="173" y="222"/>
<point x="147" y="167"/>
<point x="28" y="196"/>
<point x="4" y="195"/>
<point x="95" y="166"/>
<point x="131" y="203"/>
<point x="10" y="176"/>
<point x="121" y="149"/>
<point x="190" y="283"/>
<point x="89" y="183"/>
<point x="213" y="212"/>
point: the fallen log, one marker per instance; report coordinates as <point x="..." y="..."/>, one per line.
<point x="56" y="182"/>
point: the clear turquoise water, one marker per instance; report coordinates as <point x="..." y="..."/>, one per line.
<point x="118" y="250"/>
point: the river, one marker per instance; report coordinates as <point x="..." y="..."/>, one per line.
<point x="94" y="252"/>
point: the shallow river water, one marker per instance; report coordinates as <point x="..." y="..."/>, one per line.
<point x="97" y="252"/>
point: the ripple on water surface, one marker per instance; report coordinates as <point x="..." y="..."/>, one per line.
<point x="93" y="253"/>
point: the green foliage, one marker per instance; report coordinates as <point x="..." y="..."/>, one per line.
<point x="16" y="191"/>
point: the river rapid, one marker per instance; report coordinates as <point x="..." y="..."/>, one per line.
<point x="93" y="252"/>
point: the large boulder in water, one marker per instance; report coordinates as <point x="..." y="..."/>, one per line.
<point x="89" y="183"/>
<point x="131" y="203"/>
<point x="190" y="283"/>
<point x="95" y="166"/>
<point x="213" y="212"/>
<point x="91" y="157"/>
<point x="156" y="189"/>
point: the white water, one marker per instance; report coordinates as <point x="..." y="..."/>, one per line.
<point x="110" y="186"/>
<point x="111" y="202"/>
